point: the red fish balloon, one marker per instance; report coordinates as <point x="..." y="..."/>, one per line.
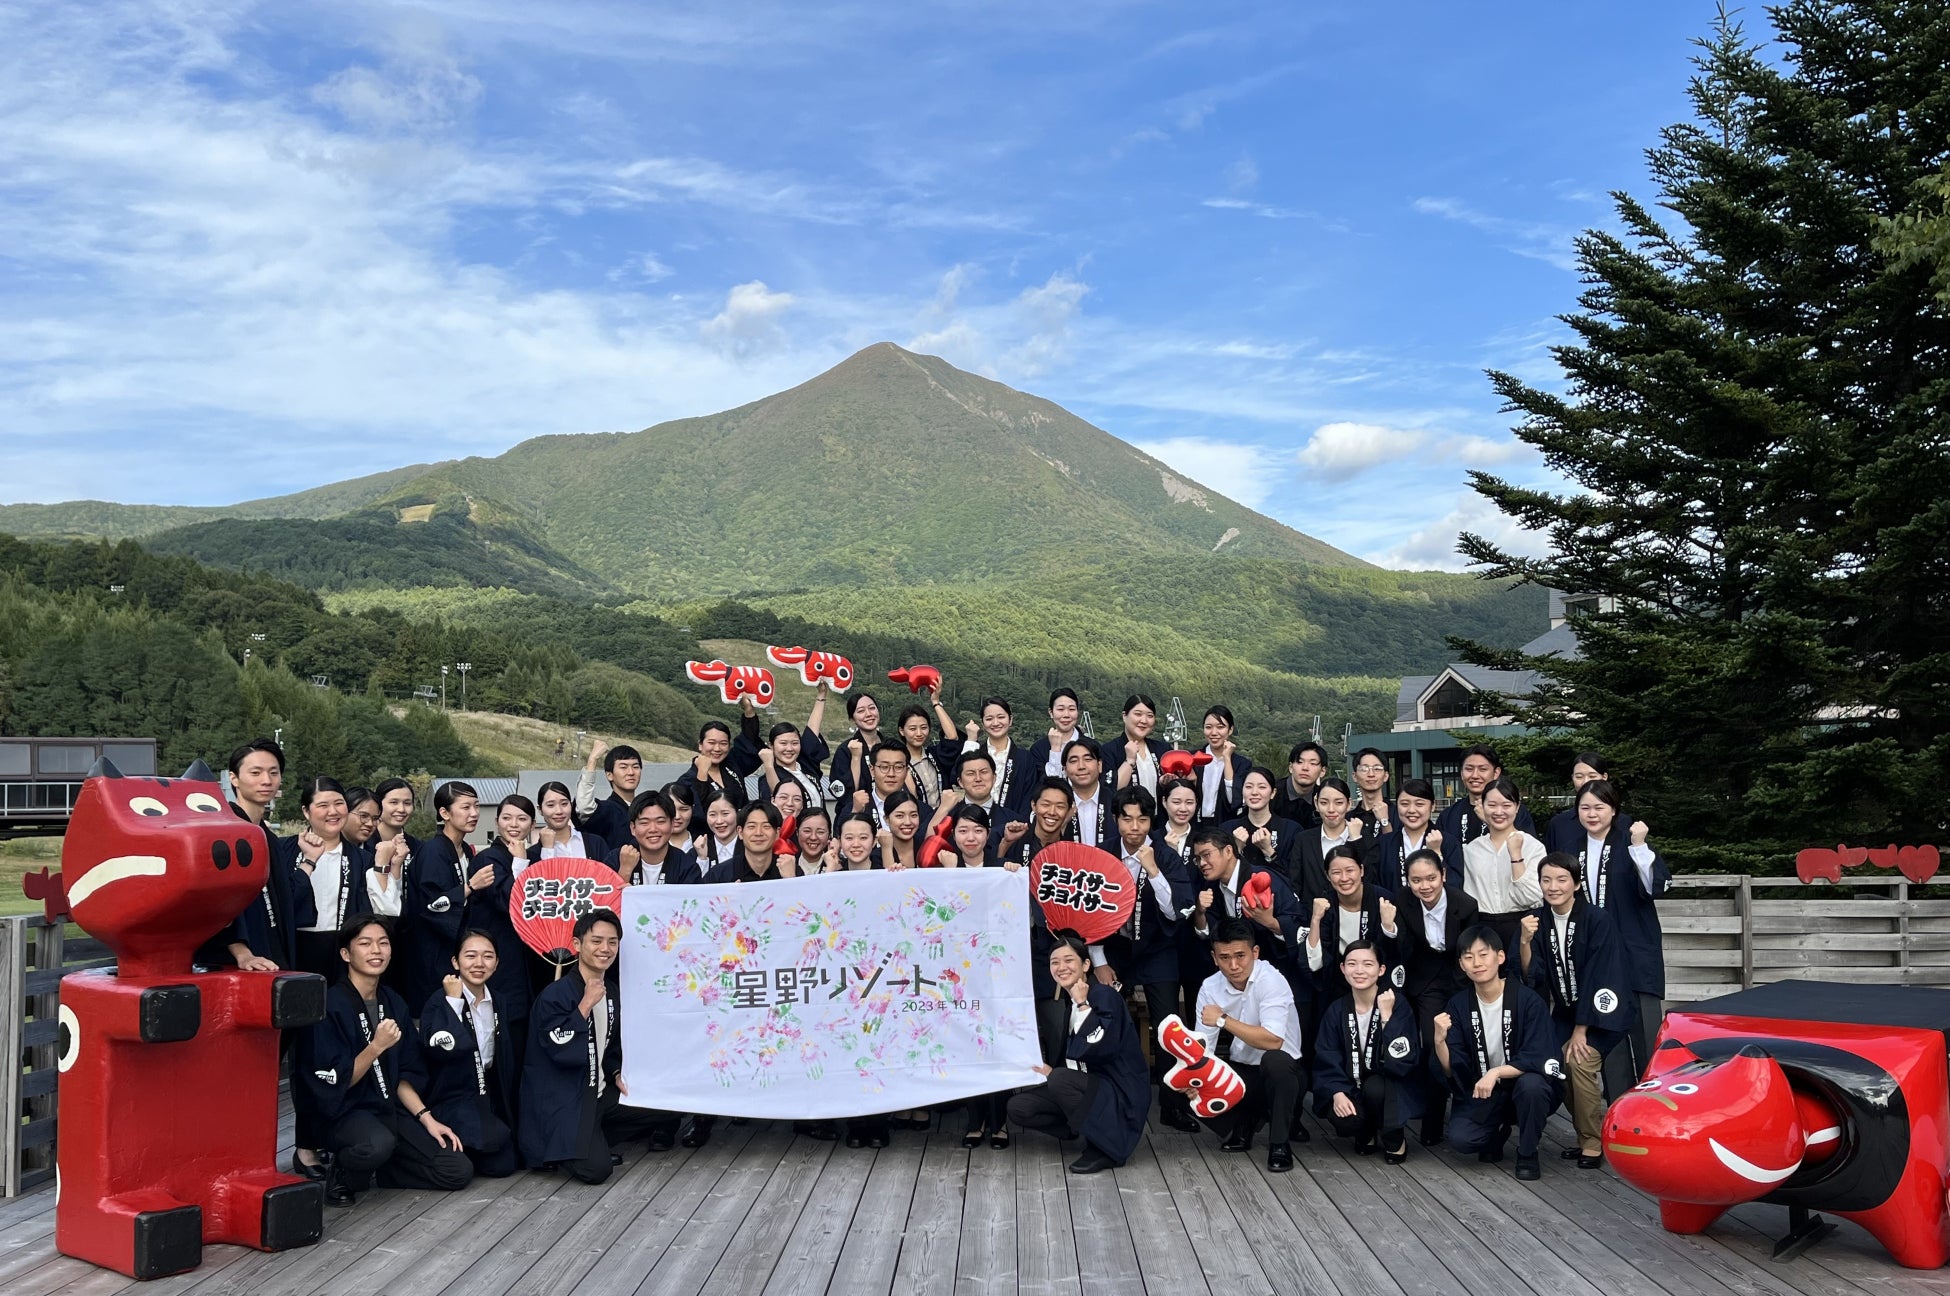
<point x="734" y="682"/>
<point x="830" y="669"/>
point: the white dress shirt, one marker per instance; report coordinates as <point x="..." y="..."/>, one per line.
<point x="1486" y="874"/>
<point x="1090" y="820"/>
<point x="1435" y="921"/>
<point x="1266" y="1002"/>
<point x="480" y="1013"/>
<point x="571" y="848"/>
<point x="1160" y="891"/>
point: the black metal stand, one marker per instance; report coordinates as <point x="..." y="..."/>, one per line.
<point x="1804" y="1230"/>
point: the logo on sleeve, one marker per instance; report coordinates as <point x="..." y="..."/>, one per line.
<point x="440" y="905"/>
<point x="1554" y="1069"/>
<point x="1398" y="1047"/>
<point x="1095" y="1036"/>
<point x="1399" y="977"/>
<point x="561" y="1036"/>
<point x="1605" y="1001"/>
<point x="442" y="1040"/>
<point x="330" y="1077"/>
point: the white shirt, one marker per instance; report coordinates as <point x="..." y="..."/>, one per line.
<point x="1435" y="921"/>
<point x="480" y="1012"/>
<point x="1562" y="921"/>
<point x="1486" y="874"/>
<point x="1078" y="1012"/>
<point x="1594" y="854"/>
<point x="384" y="899"/>
<point x="1146" y="773"/>
<point x="1053" y="767"/>
<point x="1350" y="925"/>
<point x="326" y="876"/>
<point x="1266" y="1002"/>
<point x="1492" y="1010"/>
<point x="573" y="848"/>
<point x="1090" y="814"/>
<point x="1211" y="784"/>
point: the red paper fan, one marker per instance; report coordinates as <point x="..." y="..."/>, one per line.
<point x="551" y="894"/>
<point x="1082" y="889"/>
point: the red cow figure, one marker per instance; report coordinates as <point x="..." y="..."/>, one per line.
<point x="169" y="1074"/>
<point x="734" y="682"/>
<point x="917" y="678"/>
<point x="1804" y="1094"/>
<point x="1205" y="1078"/>
<point x="1182" y="764"/>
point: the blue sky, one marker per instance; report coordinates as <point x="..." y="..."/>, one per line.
<point x="247" y="249"/>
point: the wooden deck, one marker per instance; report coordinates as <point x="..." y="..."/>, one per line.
<point x="760" y="1211"/>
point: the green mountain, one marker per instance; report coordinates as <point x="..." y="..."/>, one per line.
<point x="99" y="520"/>
<point x="453" y="539"/>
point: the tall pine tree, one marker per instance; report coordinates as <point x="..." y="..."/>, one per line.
<point x="1754" y="419"/>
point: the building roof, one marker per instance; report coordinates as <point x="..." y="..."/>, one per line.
<point x="1560" y="642"/>
<point x="1410" y="696"/>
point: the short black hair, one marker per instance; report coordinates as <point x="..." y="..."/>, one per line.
<point x="1089" y="745"/>
<point x="349" y="929"/>
<point x="1421" y="789"/>
<point x="1570" y="863"/>
<point x="1367" y="945"/>
<point x="1213" y="835"/>
<point x="1002" y="702"/>
<point x="812" y="812"/>
<point x="1228" y="930"/>
<point x="708" y="726"/>
<point x="1135" y="794"/>
<point x="1433" y="857"/>
<point x="1480" y="932"/>
<point x="1486" y="752"/>
<point x="1344" y="851"/>
<point x="620" y="752"/>
<point x="1301" y="748"/>
<point x="594" y="916"/>
<point x="1051" y="783"/>
<point x="976" y="757"/>
<point x="265" y="745"/>
<point x="885" y="745"/>
<point x="1064" y="692"/>
<point x="648" y="800"/>
<point x="766" y="808"/>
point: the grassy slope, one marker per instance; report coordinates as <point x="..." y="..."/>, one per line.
<point x="19" y="858"/>
<point x="503" y="744"/>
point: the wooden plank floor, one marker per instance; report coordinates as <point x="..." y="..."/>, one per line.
<point x="762" y="1211"/>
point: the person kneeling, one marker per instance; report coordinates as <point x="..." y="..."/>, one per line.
<point x="471" y="1071"/>
<point x="362" y="1068"/>
<point x="1367" y="1059"/>
<point x="572" y="1081"/>
<point x="1251" y="1002"/>
<point x="1494" y="1044"/>
<point x="1103" y="1090"/>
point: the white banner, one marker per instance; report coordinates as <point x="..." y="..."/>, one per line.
<point x="845" y="994"/>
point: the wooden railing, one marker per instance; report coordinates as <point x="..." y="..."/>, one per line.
<point x="1762" y="930"/>
<point x="34" y="955"/>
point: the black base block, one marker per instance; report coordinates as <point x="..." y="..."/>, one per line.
<point x="297" y="999"/>
<point x="171" y="1013"/>
<point x="294" y="1215"/>
<point x="168" y="1242"/>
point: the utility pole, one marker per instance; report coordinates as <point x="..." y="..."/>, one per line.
<point x="463" y="668"/>
<point x="443" y="688"/>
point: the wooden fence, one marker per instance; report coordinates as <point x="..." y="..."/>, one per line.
<point x="34" y="955"/>
<point x="1760" y="930"/>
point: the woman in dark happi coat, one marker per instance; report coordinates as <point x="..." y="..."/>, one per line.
<point x="1103" y="1089"/>
<point x="473" y="1074"/>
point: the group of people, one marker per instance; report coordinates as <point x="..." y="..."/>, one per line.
<point x="1355" y="949"/>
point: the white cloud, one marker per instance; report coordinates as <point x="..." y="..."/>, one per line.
<point x="749" y="321"/>
<point x="1434" y="545"/>
<point x="1338" y="451"/>
<point x="1027" y="336"/>
<point x="1246" y="473"/>
<point x="1551" y="244"/>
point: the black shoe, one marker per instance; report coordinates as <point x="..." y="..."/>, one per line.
<point x="1179" y="1118"/>
<point x="697" y="1136"/>
<point x="1399" y="1155"/>
<point x="1364" y="1147"/>
<point x="999" y="1140"/>
<point x="1527" y="1168"/>
<point x="824" y="1131"/>
<point x="316" y="1170"/>
<point x="1298" y="1133"/>
<point x="878" y="1139"/>
<point x="1590" y="1162"/>
<point x="337" y="1191"/>
<point x="855" y="1141"/>
<point x="1237" y="1141"/>
<point x="974" y="1138"/>
<point x="1091" y="1162"/>
<point x="615" y="1159"/>
<point x="1431" y="1135"/>
<point x="1491" y="1155"/>
<point x="662" y="1141"/>
<point x="1279" y="1158"/>
<point x="741" y="1120"/>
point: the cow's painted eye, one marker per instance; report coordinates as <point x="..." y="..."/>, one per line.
<point x="148" y="807"/>
<point x="1683" y="1089"/>
<point x="203" y="802"/>
<point x="69" y="1038"/>
<point x="1646" y="1084"/>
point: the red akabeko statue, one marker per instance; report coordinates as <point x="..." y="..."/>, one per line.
<point x="1809" y="1095"/>
<point x="169" y="1075"/>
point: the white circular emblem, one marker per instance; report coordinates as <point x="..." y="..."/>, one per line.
<point x="442" y="1040"/>
<point x="1398" y="1048"/>
<point x="1605" y="1001"/>
<point x="1554" y="1069"/>
<point x="1399" y="976"/>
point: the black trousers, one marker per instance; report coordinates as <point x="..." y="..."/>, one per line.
<point x="1377" y="1110"/>
<point x="1160" y="1002"/>
<point x="1482" y="1124"/>
<point x="317" y="952"/>
<point x="1053" y="1031"/>
<point x="496" y="1156"/>
<point x="1272" y="1098"/>
<point x="606" y="1121"/>
<point x="1435" y="1094"/>
<point x="1057" y="1106"/>
<point x="989" y="1111"/>
<point x="397" y="1149"/>
<point x="1625" y="1064"/>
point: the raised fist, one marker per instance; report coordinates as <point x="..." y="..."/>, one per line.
<point x="450" y="986"/>
<point x="1321" y="907"/>
<point x="627" y="859"/>
<point x="387" y="1035"/>
<point x="1433" y="841"/>
<point x="1640" y="831"/>
<point x="1387" y="907"/>
<point x="1441" y="1023"/>
<point x="1528" y="926"/>
<point x="1385" y="1001"/>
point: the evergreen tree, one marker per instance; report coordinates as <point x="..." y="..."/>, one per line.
<point x="1754" y="421"/>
